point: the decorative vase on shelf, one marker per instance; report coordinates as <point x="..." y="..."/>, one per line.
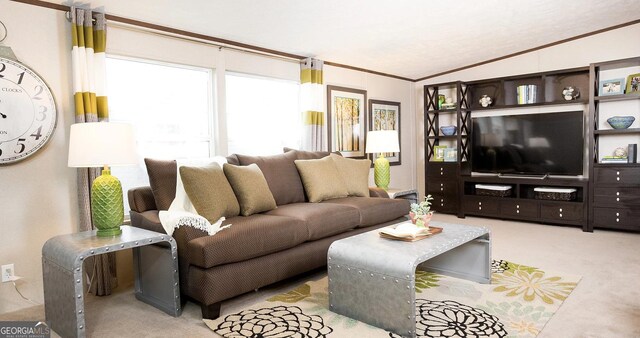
<point x="570" y="93"/>
<point x="485" y="101"/>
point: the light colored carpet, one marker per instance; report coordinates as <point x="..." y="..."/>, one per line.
<point x="606" y="302"/>
<point x="518" y="303"/>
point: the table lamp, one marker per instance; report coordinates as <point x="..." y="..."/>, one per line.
<point x="382" y="141"/>
<point x="103" y="144"/>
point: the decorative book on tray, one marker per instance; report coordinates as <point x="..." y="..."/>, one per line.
<point x="408" y="232"/>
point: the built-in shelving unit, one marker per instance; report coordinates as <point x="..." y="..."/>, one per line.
<point x="615" y="187"/>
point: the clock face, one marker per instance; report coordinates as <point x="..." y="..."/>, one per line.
<point x="28" y="112"/>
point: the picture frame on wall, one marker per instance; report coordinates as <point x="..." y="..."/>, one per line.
<point x="438" y="153"/>
<point x="385" y="115"/>
<point x="633" y="84"/>
<point x="611" y="87"/>
<point x="450" y="155"/>
<point x="347" y="121"/>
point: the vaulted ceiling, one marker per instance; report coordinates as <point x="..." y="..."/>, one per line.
<point x="408" y="38"/>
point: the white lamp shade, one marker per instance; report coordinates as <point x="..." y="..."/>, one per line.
<point x="96" y="144"/>
<point x="382" y="141"/>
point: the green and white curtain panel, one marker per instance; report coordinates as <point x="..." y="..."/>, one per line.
<point x="311" y="93"/>
<point x="89" y="36"/>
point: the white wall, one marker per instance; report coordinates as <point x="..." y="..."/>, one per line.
<point x="615" y="44"/>
<point x="38" y="196"/>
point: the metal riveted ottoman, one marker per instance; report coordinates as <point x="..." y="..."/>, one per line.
<point x="372" y="279"/>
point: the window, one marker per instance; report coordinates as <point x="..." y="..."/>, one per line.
<point x="170" y="107"/>
<point x="262" y="114"/>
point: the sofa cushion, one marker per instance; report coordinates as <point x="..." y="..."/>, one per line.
<point x="209" y="191"/>
<point x="162" y="179"/>
<point x="321" y="179"/>
<point x="248" y="237"/>
<point x="281" y="175"/>
<point x="375" y="210"/>
<point x="354" y="173"/>
<point x="250" y="187"/>
<point x="307" y="155"/>
<point x="321" y="220"/>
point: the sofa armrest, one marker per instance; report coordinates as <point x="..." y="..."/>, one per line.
<point x="141" y="199"/>
<point x="378" y="192"/>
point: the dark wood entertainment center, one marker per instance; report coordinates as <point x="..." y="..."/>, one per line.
<point x="609" y="198"/>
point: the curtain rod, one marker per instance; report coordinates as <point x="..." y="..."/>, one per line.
<point x="209" y="39"/>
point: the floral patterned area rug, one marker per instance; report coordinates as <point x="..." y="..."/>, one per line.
<point x="518" y="303"/>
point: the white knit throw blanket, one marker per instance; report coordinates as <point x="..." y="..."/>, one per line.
<point x="182" y="212"/>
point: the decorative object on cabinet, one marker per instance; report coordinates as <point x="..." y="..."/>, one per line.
<point x="441" y="99"/>
<point x="620" y="152"/>
<point x="555" y="194"/>
<point x="632" y="153"/>
<point x="527" y="94"/>
<point x="385" y="115"/>
<point x="449" y="104"/>
<point x="381" y="142"/>
<point x="570" y="93"/>
<point x="347" y="121"/>
<point x="485" y="101"/>
<point x="438" y="153"/>
<point x="450" y="155"/>
<point x="448" y="130"/>
<point x="633" y="84"/>
<point x="611" y="87"/>
<point x="621" y="122"/>
<point x="28" y="112"/>
<point x="103" y="144"/>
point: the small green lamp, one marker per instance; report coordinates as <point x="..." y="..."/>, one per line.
<point x="103" y="144"/>
<point x="381" y="142"/>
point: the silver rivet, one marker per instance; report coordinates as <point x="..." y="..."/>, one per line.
<point x="162" y="238"/>
<point x="408" y="276"/>
<point x="92" y="252"/>
<point x="77" y="269"/>
<point x="175" y="284"/>
<point x="383" y="277"/>
<point x="81" y="327"/>
<point x="106" y="249"/>
<point x="81" y="258"/>
<point x="359" y="271"/>
<point x="338" y="266"/>
<point x="331" y="280"/>
<point x="396" y="280"/>
<point x="348" y="269"/>
<point x="329" y="266"/>
<point x="329" y="258"/>
<point x="409" y="317"/>
<point x="371" y="275"/>
<point x="408" y="286"/>
<point x="77" y="281"/>
<point x="176" y="297"/>
<point x="79" y="296"/>
<point x="408" y="302"/>
<point x="175" y="271"/>
<point x="122" y="245"/>
<point x="80" y="311"/>
<point x="151" y="240"/>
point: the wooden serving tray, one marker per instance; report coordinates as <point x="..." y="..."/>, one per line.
<point x="432" y="231"/>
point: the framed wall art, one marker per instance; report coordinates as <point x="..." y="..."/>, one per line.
<point x="347" y="121"/>
<point x="385" y="115"/>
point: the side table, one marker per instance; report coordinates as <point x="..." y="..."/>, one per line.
<point x="407" y="194"/>
<point x="155" y="268"/>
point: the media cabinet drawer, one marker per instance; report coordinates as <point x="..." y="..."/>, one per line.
<point x="443" y="170"/>
<point x="444" y="203"/>
<point x="617" y="175"/>
<point x="561" y="211"/>
<point x="613" y="218"/>
<point x="480" y="205"/>
<point x="442" y="187"/>
<point x="518" y="208"/>
<point x="616" y="196"/>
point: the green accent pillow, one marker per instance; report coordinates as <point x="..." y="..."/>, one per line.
<point x="250" y="187"/>
<point x="321" y="179"/>
<point x="209" y="191"/>
<point x="354" y="173"/>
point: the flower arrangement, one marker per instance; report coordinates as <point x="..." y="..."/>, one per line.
<point x="421" y="212"/>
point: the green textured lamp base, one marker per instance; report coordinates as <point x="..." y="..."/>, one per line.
<point x="107" y="208"/>
<point x="381" y="172"/>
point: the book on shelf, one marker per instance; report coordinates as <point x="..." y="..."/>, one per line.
<point x="612" y="159"/>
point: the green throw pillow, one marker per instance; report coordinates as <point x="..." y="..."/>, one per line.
<point x="209" y="191"/>
<point x="354" y="173"/>
<point x="250" y="187"/>
<point x="321" y="179"/>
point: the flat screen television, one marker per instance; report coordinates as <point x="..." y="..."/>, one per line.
<point x="530" y="144"/>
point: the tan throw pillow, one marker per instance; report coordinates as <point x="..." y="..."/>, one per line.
<point x="321" y="179"/>
<point x="209" y="191"/>
<point x="354" y="173"/>
<point x="250" y="187"/>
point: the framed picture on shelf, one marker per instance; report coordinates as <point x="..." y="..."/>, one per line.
<point x="347" y="121"/>
<point x="438" y="153"/>
<point x="611" y="87"/>
<point x="385" y="115"/>
<point x="450" y="154"/>
<point x="633" y="84"/>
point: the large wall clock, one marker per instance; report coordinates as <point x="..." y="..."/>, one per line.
<point x="28" y="112"/>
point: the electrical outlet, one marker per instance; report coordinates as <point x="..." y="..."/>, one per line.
<point x="8" y="273"/>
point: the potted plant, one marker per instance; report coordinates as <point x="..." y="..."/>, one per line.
<point x="421" y="212"/>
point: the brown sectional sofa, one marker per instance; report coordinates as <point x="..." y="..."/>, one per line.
<point x="264" y="248"/>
